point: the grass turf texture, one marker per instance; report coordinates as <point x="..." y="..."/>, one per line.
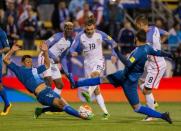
<point x="122" y="119"/>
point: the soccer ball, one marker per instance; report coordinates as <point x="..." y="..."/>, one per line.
<point x="85" y="110"/>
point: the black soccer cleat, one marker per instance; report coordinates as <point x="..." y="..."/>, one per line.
<point x="38" y="112"/>
<point x="166" y="117"/>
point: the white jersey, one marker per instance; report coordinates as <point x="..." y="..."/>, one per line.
<point x="92" y="46"/>
<point x="153" y="38"/>
<point x="57" y="45"/>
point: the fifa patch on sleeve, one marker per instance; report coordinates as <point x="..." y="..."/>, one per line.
<point x="109" y="37"/>
<point x="132" y="59"/>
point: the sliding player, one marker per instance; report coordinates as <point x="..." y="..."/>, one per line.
<point x="29" y="77"/>
<point x="128" y="78"/>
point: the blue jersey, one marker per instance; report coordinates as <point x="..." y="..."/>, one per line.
<point x="134" y="66"/>
<point x="3" y="40"/>
<point x="29" y="77"/>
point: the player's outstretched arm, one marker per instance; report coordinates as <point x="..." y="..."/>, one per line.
<point x="44" y="49"/>
<point x="121" y="57"/>
<point x="159" y="53"/>
<point x="7" y="57"/>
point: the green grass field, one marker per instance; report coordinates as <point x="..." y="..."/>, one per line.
<point x="122" y="119"/>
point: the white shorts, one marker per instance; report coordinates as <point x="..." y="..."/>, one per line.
<point x="53" y="71"/>
<point x="89" y="67"/>
<point x="94" y="65"/>
<point x="84" y="89"/>
<point x="152" y="76"/>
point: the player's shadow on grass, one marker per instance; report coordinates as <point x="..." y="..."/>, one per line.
<point x="58" y="118"/>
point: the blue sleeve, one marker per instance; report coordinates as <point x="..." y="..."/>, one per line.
<point x="52" y="40"/>
<point x="15" y="68"/>
<point x="162" y="32"/>
<point x="4" y="39"/>
<point x="75" y="43"/>
<point x="153" y="52"/>
<point x="108" y="40"/>
<point x="41" y="69"/>
<point x="128" y="62"/>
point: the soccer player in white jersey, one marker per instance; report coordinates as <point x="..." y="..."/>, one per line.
<point x="58" y="45"/>
<point x="155" y="66"/>
<point x="91" y="41"/>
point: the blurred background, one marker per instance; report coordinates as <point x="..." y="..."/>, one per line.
<point x="114" y="17"/>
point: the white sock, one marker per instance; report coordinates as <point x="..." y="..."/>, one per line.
<point x="150" y="101"/>
<point x="91" y="90"/>
<point x="57" y="91"/>
<point x="101" y="103"/>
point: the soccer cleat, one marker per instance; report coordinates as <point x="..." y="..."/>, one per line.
<point x="38" y="112"/>
<point x="148" y="118"/>
<point x="166" y="117"/>
<point x="156" y="105"/>
<point x="105" y="116"/>
<point x="6" y="110"/>
<point x="86" y="96"/>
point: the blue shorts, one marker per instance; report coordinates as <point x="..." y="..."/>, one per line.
<point x="46" y="97"/>
<point x="129" y="87"/>
<point x="1" y="66"/>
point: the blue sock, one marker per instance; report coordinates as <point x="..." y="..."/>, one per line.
<point x="71" y="111"/>
<point x="4" y="97"/>
<point x="148" y="111"/>
<point x="89" y="82"/>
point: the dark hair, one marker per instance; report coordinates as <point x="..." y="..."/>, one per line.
<point x="90" y="20"/>
<point x="24" y="57"/>
<point x="142" y="19"/>
<point x="141" y="36"/>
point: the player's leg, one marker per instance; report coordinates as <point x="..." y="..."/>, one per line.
<point x="57" y="79"/>
<point x="3" y="94"/>
<point x="7" y="104"/>
<point x="48" y="80"/>
<point x="147" y="87"/>
<point x="130" y="90"/>
<point x="115" y="79"/>
<point x="97" y="92"/>
<point x="49" y="98"/>
<point x="46" y="74"/>
<point x="100" y="101"/>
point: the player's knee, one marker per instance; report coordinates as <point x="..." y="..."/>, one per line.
<point x="59" y="84"/>
<point x="147" y="90"/>
<point x="95" y="74"/>
<point x="97" y="91"/>
<point x="136" y="107"/>
<point x="59" y="103"/>
<point x="104" y="80"/>
<point x="48" y="81"/>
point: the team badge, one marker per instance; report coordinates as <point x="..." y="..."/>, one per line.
<point x="109" y="37"/>
<point x="132" y="59"/>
